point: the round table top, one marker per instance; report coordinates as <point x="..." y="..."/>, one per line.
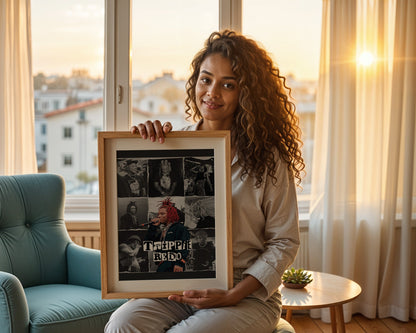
<point x="324" y="291"/>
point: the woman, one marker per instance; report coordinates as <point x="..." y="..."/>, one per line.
<point x="235" y="86"/>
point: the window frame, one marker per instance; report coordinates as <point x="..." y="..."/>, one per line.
<point x="67" y="133"/>
<point x="117" y="98"/>
<point x="117" y="64"/>
<point x="67" y="160"/>
<point x="118" y="83"/>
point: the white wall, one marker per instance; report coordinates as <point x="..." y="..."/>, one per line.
<point x="82" y="146"/>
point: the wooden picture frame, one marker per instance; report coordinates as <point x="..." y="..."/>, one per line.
<point x="192" y="169"/>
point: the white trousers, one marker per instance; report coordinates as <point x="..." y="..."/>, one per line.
<point x="251" y="315"/>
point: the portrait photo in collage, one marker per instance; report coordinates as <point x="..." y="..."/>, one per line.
<point x="179" y="184"/>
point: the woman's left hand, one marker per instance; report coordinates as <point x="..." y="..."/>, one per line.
<point x="207" y="298"/>
<point x="215" y="298"/>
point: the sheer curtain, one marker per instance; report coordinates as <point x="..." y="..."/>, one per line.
<point x="363" y="205"/>
<point x="17" y="139"/>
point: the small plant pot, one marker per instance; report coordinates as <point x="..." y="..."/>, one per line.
<point x="294" y="285"/>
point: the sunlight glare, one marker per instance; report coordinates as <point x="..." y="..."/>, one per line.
<point x="366" y="59"/>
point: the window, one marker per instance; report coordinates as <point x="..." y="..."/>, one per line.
<point x="68" y="70"/>
<point x="43" y="147"/>
<point x="95" y="132"/>
<point x="150" y="106"/>
<point x="67" y="132"/>
<point x="70" y="59"/>
<point x="159" y="72"/>
<point x="289" y="39"/>
<point x="67" y="160"/>
<point x="82" y="115"/>
<point x="295" y="34"/>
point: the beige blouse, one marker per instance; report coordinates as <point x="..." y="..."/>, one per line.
<point x="265" y="225"/>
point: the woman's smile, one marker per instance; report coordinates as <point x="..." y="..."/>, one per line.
<point x="212" y="105"/>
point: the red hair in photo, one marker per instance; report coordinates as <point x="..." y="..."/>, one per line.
<point x="172" y="212"/>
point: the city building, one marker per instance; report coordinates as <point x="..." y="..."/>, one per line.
<point x="72" y="142"/>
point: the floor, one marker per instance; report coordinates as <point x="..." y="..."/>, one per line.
<point x="302" y="323"/>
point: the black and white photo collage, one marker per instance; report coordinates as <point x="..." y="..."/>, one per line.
<point x="145" y="179"/>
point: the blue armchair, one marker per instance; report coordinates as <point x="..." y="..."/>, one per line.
<point x="48" y="284"/>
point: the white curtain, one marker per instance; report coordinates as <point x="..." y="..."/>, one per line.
<point x="363" y="204"/>
<point x="17" y="139"/>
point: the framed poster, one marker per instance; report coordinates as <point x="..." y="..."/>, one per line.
<point x="165" y="213"/>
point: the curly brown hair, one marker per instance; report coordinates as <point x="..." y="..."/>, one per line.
<point x="265" y="119"/>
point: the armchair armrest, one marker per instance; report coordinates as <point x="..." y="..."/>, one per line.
<point x="84" y="266"/>
<point x="14" y="312"/>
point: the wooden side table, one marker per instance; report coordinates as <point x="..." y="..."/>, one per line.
<point x="326" y="290"/>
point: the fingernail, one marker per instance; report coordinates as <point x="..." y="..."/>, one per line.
<point x="161" y="140"/>
<point x="152" y="138"/>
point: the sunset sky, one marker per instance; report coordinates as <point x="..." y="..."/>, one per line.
<point x="167" y="34"/>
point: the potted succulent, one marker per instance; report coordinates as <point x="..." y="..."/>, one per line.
<point x="296" y="278"/>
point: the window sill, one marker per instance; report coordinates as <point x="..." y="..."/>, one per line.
<point x="85" y="208"/>
<point x="82" y="208"/>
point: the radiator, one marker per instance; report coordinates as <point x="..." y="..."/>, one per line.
<point x="85" y="233"/>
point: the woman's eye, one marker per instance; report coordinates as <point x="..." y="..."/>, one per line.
<point x="205" y="80"/>
<point x="229" y="85"/>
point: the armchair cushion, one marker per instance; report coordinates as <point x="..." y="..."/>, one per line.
<point x="68" y="308"/>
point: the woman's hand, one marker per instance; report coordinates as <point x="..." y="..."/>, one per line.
<point x="214" y="298"/>
<point x="207" y="298"/>
<point x="152" y="130"/>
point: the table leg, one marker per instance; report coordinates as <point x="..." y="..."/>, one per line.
<point x="288" y="315"/>
<point x="333" y="319"/>
<point x="340" y="318"/>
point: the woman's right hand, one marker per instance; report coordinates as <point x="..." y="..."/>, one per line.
<point x="152" y="130"/>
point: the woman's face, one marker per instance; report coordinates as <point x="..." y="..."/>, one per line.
<point x="217" y="92"/>
<point x="163" y="215"/>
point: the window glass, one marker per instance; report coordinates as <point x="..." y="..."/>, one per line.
<point x="68" y="71"/>
<point x="165" y="36"/>
<point x="67" y="132"/>
<point x="67" y="160"/>
<point x="291" y="32"/>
